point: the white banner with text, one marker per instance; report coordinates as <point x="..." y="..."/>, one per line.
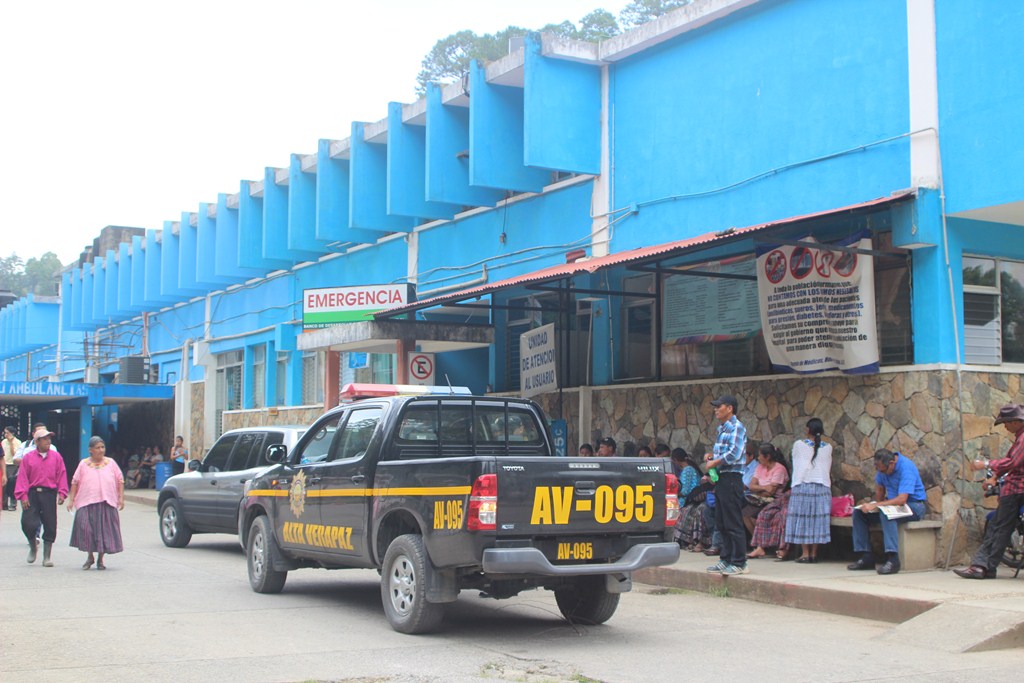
<point x="818" y="306"/>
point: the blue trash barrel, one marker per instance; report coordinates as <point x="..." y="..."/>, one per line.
<point x="164" y="471"/>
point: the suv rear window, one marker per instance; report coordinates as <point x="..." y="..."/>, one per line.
<point x="430" y="429"/>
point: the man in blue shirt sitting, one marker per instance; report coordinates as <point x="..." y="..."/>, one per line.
<point x="897" y="483"/>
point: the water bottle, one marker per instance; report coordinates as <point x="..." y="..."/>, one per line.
<point x="713" y="475"/>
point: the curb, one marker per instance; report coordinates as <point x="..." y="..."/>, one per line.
<point x="139" y="498"/>
<point x="847" y="603"/>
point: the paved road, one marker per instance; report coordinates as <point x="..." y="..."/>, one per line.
<point x="160" y="614"/>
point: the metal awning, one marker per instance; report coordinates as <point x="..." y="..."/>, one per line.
<point x="633" y="258"/>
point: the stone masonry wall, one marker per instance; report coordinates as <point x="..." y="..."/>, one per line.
<point x="914" y="412"/>
<point x="261" y="417"/>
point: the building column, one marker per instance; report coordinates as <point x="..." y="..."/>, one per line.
<point x="332" y="378"/>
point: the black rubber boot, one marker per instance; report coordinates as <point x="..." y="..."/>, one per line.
<point x="47" y="547"/>
<point x="33" y="550"/>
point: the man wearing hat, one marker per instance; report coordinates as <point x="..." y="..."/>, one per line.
<point x="1011" y="497"/>
<point x="42" y="486"/>
<point x="606" y="447"/>
<point x="727" y="457"/>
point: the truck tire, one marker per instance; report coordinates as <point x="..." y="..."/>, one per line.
<point x="587" y="601"/>
<point x="174" y="530"/>
<point x="259" y="554"/>
<point x="403" y="587"/>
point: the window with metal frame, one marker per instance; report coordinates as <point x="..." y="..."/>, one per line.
<point x="259" y="375"/>
<point x="312" y="377"/>
<point x="993" y="310"/>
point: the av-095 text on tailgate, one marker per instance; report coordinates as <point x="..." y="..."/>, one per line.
<point x="623" y="504"/>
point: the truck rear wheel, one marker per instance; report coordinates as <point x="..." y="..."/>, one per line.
<point x="259" y="556"/>
<point x="587" y="601"/>
<point x="174" y="530"/>
<point x="403" y="587"/>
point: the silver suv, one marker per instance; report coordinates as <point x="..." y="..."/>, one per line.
<point x="206" y="499"/>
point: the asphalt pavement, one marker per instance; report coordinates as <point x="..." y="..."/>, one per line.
<point x="966" y="615"/>
<point x="182" y="615"/>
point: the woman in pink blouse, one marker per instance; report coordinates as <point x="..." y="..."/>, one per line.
<point x="97" y="493"/>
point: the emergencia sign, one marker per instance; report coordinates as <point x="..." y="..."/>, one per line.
<point x="326" y="306"/>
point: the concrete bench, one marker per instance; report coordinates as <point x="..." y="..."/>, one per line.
<point x="917" y="541"/>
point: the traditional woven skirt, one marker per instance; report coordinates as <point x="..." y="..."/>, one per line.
<point x="690" y="527"/>
<point x="809" y="509"/>
<point x="770" y="524"/>
<point x="97" y="529"/>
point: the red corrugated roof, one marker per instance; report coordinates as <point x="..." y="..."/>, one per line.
<point x="565" y="270"/>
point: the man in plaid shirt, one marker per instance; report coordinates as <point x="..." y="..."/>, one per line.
<point x="1011" y="497"/>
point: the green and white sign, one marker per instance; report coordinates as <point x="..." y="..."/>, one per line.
<point x="328" y="306"/>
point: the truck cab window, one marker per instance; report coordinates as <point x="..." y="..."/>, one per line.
<point x="356" y="434"/>
<point x="317" y="448"/>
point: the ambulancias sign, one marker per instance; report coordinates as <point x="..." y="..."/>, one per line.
<point x="328" y="306"/>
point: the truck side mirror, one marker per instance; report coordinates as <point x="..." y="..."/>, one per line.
<point x="277" y="453"/>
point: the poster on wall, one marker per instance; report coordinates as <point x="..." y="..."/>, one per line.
<point x="701" y="308"/>
<point x="818" y="307"/>
<point x="537" y="371"/>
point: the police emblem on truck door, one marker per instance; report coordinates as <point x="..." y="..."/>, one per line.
<point x="297" y="494"/>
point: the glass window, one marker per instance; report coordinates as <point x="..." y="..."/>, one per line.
<point x="312" y="377"/>
<point x="249" y="443"/>
<point x="217" y="459"/>
<point x="1011" y="301"/>
<point x="993" y="311"/>
<point x="281" y="378"/>
<point x="318" y="446"/>
<point x="979" y="271"/>
<point x="259" y="376"/>
<point x="355" y="437"/>
<point x="638" y="328"/>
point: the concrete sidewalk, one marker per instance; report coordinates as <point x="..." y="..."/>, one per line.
<point x="970" y="615"/>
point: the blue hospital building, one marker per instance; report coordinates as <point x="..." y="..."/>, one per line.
<point x="674" y="209"/>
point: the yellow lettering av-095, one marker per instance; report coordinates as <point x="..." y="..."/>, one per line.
<point x="553" y="504"/>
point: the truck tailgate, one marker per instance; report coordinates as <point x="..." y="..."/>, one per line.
<point x="575" y="496"/>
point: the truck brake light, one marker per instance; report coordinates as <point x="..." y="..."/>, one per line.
<point x="671" y="499"/>
<point x="483" y="504"/>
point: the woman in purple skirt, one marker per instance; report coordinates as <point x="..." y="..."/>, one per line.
<point x="97" y="493"/>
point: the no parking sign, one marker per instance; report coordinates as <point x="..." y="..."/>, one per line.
<point x="420" y="368"/>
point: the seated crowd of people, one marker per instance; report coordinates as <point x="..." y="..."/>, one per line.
<point x="787" y="507"/>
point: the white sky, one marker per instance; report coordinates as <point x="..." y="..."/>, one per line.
<point x="128" y="113"/>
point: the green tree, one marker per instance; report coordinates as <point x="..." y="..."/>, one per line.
<point x="642" y="11"/>
<point x="448" y="61"/>
<point x="12" y="274"/>
<point x="597" y="26"/>
<point x="41" y="275"/>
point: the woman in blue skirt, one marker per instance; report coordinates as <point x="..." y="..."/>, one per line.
<point x="807" y="521"/>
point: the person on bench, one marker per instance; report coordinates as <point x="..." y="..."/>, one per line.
<point x="897" y="483"/>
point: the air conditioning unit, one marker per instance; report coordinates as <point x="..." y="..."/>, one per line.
<point x="133" y="370"/>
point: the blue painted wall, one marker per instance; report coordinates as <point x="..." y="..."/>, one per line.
<point x="784" y="83"/>
<point x="980" y="72"/>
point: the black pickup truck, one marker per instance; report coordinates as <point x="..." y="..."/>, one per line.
<point x="445" y="493"/>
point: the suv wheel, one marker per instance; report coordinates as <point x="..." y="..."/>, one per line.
<point x="259" y="555"/>
<point x="174" y="530"/>
<point x="403" y="587"/>
<point x="587" y="601"/>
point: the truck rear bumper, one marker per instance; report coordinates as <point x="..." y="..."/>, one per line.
<point x="533" y="561"/>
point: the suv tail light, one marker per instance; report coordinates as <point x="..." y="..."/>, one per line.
<point x="483" y="504"/>
<point x="671" y="499"/>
